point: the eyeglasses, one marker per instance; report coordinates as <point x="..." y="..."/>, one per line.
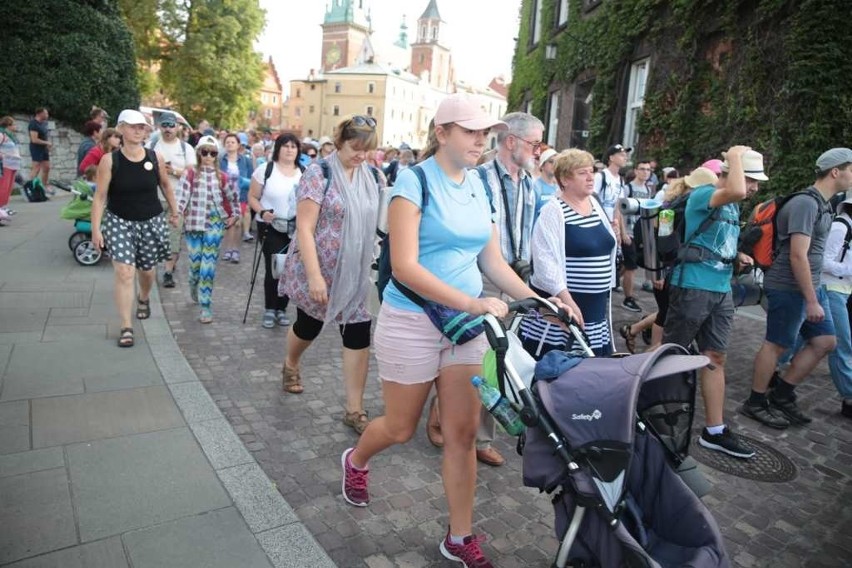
<point x="167" y="125"/>
<point x="211" y="153"/>
<point x="361" y="121"/>
<point x="643" y="169"/>
<point x="536" y="146"/>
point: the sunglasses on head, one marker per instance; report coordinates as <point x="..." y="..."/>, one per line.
<point x="167" y="124"/>
<point x="211" y="153"/>
<point x="360" y="120"/>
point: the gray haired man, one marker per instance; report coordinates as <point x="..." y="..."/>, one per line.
<point x="513" y="198"/>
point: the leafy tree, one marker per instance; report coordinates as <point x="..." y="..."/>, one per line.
<point x="210" y="68"/>
<point x="66" y="55"/>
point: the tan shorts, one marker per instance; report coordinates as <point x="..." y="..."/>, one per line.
<point x="410" y="350"/>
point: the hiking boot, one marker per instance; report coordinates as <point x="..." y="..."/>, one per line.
<point x="630" y="304"/>
<point x="763" y="414"/>
<point x="168" y="280"/>
<point x="469" y="554"/>
<point x="354" y="482"/>
<point x="725" y="442"/>
<point x="790" y="409"/>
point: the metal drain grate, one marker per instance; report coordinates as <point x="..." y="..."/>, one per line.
<point x="768" y="464"/>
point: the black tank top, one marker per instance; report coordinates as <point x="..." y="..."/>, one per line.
<point x="133" y="189"/>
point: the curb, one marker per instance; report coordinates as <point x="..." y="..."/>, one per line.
<point x="284" y="539"/>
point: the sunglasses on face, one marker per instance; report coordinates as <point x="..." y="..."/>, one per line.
<point x="211" y="153"/>
<point x="312" y="155"/>
<point x="167" y="125"/>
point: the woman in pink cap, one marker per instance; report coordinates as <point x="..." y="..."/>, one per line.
<point x="438" y="247"/>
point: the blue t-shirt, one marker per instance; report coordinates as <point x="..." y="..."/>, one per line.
<point x="454" y="228"/>
<point x="544" y="192"/>
<point x="721" y="238"/>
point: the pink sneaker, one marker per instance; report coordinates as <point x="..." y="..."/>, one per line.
<point x="354" y="482"/>
<point x="468" y="553"/>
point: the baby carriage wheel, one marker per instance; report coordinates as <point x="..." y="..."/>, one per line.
<point x="76" y="238"/>
<point x="86" y="254"/>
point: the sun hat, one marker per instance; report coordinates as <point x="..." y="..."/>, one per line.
<point x="833" y="158"/>
<point x="131" y="116"/>
<point x="752" y="165"/>
<point x="207" y="141"/>
<point x="324" y="140"/>
<point x="467" y="112"/>
<point x="546" y="155"/>
<point x="701" y="176"/>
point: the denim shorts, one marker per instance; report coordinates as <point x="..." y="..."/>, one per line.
<point x="701" y="316"/>
<point x="785" y="317"/>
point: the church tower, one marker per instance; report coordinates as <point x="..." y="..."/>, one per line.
<point x="429" y="55"/>
<point x="345" y="29"/>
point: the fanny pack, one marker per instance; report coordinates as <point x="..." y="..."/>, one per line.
<point x="457" y="326"/>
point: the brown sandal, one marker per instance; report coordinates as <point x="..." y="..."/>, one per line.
<point x="629" y="338"/>
<point x="357" y="420"/>
<point x="291" y="381"/>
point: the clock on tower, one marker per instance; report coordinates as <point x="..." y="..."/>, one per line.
<point x="332" y="56"/>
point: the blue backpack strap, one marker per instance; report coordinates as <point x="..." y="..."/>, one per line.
<point x="484" y="176"/>
<point x="424" y="186"/>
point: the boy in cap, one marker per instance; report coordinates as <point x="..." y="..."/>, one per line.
<point x="797" y="303"/>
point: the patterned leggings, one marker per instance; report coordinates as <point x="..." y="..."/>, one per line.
<point x="203" y="248"/>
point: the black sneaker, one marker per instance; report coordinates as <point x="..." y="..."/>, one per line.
<point x="763" y="414"/>
<point x="790" y="409"/>
<point x="168" y="280"/>
<point x="725" y="442"/>
<point x="630" y="303"/>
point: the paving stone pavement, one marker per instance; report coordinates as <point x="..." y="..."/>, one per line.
<point x="297" y="440"/>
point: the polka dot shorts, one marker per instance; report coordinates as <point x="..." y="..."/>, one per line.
<point x="138" y="243"/>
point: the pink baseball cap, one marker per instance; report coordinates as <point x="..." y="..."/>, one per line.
<point x="467" y="112"/>
<point x="714" y="166"/>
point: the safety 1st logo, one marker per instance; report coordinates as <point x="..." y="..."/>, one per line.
<point x="596" y="415"/>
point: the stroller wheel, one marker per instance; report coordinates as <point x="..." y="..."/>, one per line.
<point x="75" y="239"/>
<point x="86" y="254"/>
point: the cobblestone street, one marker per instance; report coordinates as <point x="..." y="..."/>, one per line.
<point x="298" y="441"/>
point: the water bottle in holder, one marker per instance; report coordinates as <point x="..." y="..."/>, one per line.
<point x="499" y="407"/>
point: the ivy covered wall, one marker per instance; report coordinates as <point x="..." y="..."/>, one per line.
<point x="773" y="74"/>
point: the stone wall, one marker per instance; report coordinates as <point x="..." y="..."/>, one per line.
<point x="63" y="154"/>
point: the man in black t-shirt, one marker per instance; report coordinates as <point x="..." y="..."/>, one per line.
<point x="40" y="146"/>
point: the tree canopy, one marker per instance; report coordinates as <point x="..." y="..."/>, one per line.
<point x="66" y="55"/>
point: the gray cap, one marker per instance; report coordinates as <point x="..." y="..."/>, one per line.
<point x="167" y="117"/>
<point x="833" y="158"/>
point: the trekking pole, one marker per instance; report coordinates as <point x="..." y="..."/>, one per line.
<point x="258" y="251"/>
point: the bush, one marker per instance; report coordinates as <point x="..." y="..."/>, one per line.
<point x="66" y="55"/>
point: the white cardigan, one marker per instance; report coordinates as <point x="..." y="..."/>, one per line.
<point x="835" y="273"/>
<point x="548" y="247"/>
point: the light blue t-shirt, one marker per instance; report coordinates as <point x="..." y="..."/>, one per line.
<point x="721" y="237"/>
<point x="454" y="228"/>
<point x="544" y="192"/>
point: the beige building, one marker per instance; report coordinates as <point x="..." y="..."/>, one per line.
<point x="271" y="101"/>
<point x="402" y="100"/>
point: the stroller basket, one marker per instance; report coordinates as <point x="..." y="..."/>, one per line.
<point x="606" y="436"/>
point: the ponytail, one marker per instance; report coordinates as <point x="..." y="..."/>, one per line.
<point x="431" y="143"/>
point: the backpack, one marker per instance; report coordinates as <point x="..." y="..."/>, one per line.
<point x="383" y="264"/>
<point x="34" y="191"/>
<point x="846" y="239"/>
<point x="223" y="183"/>
<point x="759" y="238"/>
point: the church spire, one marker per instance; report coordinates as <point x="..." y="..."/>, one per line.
<point x="402" y="40"/>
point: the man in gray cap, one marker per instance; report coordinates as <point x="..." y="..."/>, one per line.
<point x="797" y="303"/>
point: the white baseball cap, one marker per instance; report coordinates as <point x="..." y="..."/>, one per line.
<point x="131" y="116"/>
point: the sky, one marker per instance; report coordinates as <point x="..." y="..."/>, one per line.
<point x="480" y="34"/>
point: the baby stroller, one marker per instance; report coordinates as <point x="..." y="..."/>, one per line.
<point x="79" y="210"/>
<point x="607" y="437"/>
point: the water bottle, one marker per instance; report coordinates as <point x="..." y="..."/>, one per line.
<point x="666" y="222"/>
<point x="499" y="407"/>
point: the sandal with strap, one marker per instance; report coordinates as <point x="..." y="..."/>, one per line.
<point x="143" y="309"/>
<point x="291" y="380"/>
<point x="357" y="420"/>
<point x="125" y="337"/>
<point x="629" y="338"/>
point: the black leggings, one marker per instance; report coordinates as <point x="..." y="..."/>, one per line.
<point x="355" y="336"/>
<point x="273" y="242"/>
